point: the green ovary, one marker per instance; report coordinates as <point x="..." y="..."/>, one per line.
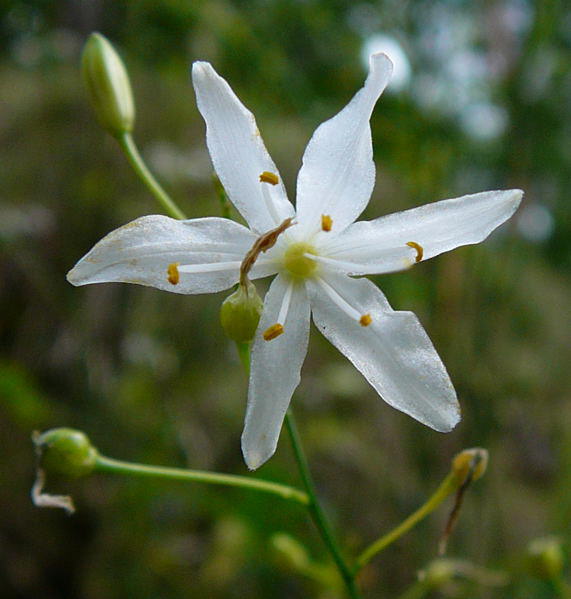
<point x="297" y="263"/>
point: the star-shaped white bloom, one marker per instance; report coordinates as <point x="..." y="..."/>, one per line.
<point x="316" y="257"/>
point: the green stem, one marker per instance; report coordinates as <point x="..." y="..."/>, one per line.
<point x="448" y="486"/>
<point x="316" y="511"/>
<point x="104" y="464"/>
<point x="130" y="149"/>
<point x="313" y="504"/>
<point x="416" y="591"/>
<point x="562" y="587"/>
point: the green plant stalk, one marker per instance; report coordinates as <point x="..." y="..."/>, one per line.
<point x="415" y="591"/>
<point x="314" y="507"/>
<point x="128" y="146"/>
<point x="316" y="510"/>
<point x="110" y="465"/>
<point x="446" y="488"/>
<point x="562" y="587"/>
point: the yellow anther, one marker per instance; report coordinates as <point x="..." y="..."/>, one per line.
<point x="365" y="320"/>
<point x="173" y="274"/>
<point x="419" y="249"/>
<point x="274" y="331"/>
<point x="326" y="222"/>
<point x="267" y="177"/>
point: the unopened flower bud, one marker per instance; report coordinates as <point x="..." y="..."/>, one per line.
<point x="475" y="459"/>
<point x="240" y="313"/>
<point x="437" y="573"/>
<point x="290" y="552"/>
<point x="65" y="451"/>
<point x="108" y="85"/>
<point x="545" y="557"/>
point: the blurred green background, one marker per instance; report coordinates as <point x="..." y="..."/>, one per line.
<point x="480" y="100"/>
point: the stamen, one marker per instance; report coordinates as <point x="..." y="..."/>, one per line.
<point x="365" y="320"/>
<point x="173" y="274"/>
<point x="277" y="329"/>
<point x="274" y="331"/>
<point x="270" y="203"/>
<point x="326" y="222"/>
<point x="285" y="304"/>
<point x="208" y="267"/>
<point x="346" y="266"/>
<point x="419" y="249"/>
<point x="267" y="177"/>
<point x="340" y="302"/>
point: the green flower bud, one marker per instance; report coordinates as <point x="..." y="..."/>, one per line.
<point x="438" y="573"/>
<point x="108" y="85"/>
<point x="545" y="557"/>
<point x="240" y="313"/>
<point x="65" y="451"/>
<point x="290" y="552"/>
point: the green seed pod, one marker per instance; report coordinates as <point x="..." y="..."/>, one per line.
<point x="65" y="451"/>
<point x="545" y="558"/>
<point x="240" y="313"/>
<point x="108" y="85"/>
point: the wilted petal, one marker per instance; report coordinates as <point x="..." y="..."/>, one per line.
<point x="275" y="370"/>
<point x="338" y="174"/>
<point x="141" y="252"/>
<point x="436" y="227"/>
<point x="238" y="152"/>
<point x="393" y="352"/>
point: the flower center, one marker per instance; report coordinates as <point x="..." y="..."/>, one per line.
<point x="297" y="263"/>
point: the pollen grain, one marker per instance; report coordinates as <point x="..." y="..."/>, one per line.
<point x="419" y="249"/>
<point x="274" y="331"/>
<point x="173" y="274"/>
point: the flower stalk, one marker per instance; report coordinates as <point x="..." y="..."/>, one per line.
<point x="467" y="466"/>
<point x="109" y="465"/>
<point x="127" y="144"/>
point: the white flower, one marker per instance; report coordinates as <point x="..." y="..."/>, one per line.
<point x="315" y="259"/>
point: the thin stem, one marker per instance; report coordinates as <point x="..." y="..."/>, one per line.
<point x="416" y="591"/>
<point x="448" y="486"/>
<point x="562" y="587"/>
<point x="130" y="149"/>
<point x="316" y="511"/>
<point x="104" y="464"/>
<point x="313" y="504"/>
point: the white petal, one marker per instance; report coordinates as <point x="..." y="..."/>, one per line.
<point x="141" y="251"/>
<point x="436" y="227"/>
<point x="393" y="353"/>
<point x="237" y="151"/>
<point x="338" y="174"/>
<point x="275" y="371"/>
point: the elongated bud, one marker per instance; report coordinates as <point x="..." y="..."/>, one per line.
<point x="545" y="557"/>
<point x="108" y="85"/>
<point x="66" y="452"/>
<point x="240" y="313"/>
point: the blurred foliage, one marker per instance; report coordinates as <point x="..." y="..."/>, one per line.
<point x="150" y="377"/>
